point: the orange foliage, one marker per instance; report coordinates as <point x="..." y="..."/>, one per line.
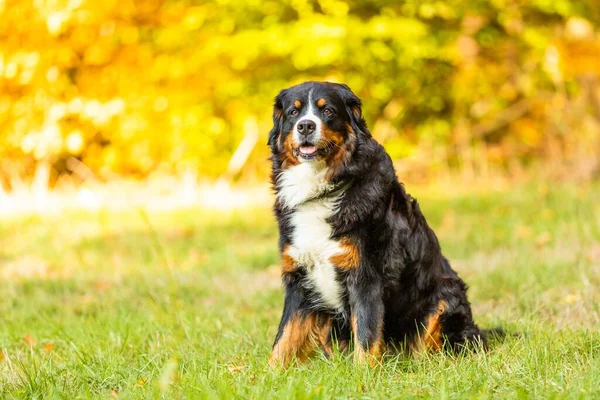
<point x="99" y="89"/>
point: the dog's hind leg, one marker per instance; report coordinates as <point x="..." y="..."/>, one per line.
<point x="459" y="331"/>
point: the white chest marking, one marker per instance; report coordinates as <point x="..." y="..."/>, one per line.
<point x="302" y="182"/>
<point x="311" y="244"/>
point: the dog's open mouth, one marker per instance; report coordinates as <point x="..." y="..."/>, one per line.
<point x="307" y="150"/>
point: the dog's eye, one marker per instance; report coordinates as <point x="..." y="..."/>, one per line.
<point x="294" y="112"/>
<point x="328" y="112"/>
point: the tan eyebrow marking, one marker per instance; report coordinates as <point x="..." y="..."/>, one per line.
<point x="321" y="102"/>
<point x="297" y="103"/>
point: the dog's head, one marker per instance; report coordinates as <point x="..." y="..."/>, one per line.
<point x="316" y="121"/>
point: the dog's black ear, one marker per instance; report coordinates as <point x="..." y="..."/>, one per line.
<point x="277" y="119"/>
<point x="354" y="110"/>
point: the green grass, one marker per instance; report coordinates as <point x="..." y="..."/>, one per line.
<point x="185" y="304"/>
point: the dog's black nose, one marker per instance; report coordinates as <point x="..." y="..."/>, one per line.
<point x="306" y="127"/>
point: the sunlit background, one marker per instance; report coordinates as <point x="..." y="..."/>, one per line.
<point x="138" y="251"/>
<point x="111" y="91"/>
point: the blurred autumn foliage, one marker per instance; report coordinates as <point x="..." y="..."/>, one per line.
<point x="105" y="89"/>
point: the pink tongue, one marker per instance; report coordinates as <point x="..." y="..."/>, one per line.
<point x="308" y="149"/>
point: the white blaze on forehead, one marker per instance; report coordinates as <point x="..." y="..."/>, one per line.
<point x="309" y="115"/>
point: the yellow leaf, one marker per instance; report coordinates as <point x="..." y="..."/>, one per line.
<point x="317" y="390"/>
<point x="234" y="369"/>
<point x="547" y="214"/>
<point x="141" y="382"/>
<point x="572" y="298"/>
<point x="524" y="232"/>
<point x="29" y="340"/>
<point x="543" y="239"/>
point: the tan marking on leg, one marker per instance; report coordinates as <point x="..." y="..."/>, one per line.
<point x="321" y="102"/>
<point x="430" y="338"/>
<point x="343" y="345"/>
<point x="348" y="258"/>
<point x="325" y="336"/>
<point x="300" y="337"/>
<point x="375" y="351"/>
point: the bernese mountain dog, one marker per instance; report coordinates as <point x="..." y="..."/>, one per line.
<point x="360" y="266"/>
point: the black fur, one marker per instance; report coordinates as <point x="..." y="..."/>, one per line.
<point x="402" y="276"/>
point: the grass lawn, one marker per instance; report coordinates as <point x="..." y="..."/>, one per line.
<point x="185" y="304"/>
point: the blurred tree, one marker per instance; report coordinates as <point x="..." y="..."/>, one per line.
<point x="132" y="87"/>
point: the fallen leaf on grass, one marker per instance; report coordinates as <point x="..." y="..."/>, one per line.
<point x="524" y="232"/>
<point x="547" y="214"/>
<point x="572" y="298"/>
<point x="102" y="286"/>
<point x="543" y="239"/>
<point x="29" y="340"/>
<point x="316" y="391"/>
<point x="234" y="369"/>
<point x="141" y="382"/>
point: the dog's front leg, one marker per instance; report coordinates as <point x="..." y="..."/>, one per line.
<point x="366" y="307"/>
<point x="301" y="330"/>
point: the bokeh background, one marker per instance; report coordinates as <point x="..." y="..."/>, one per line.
<point x="138" y="250"/>
<point x="103" y="90"/>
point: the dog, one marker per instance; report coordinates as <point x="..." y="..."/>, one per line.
<point x="360" y="266"/>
